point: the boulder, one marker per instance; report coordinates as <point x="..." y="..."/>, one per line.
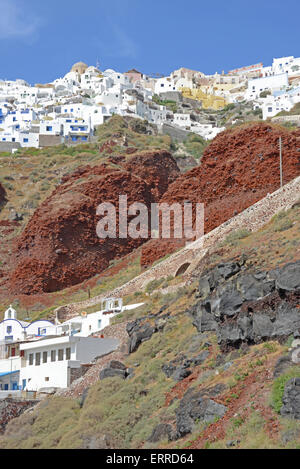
<point x="291" y="399"/>
<point x="288" y="278"/>
<point x="144" y="332"/>
<point x="181" y="373"/>
<point x="194" y="408"/>
<point x="247" y="306"/>
<point x="112" y="373"/>
<point x="116" y="365"/>
<point x="160" y="432"/>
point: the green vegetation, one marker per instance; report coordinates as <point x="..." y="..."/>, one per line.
<point x="169" y="103"/>
<point x="236" y="235"/>
<point x="195" y="145"/>
<point x="278" y="387"/>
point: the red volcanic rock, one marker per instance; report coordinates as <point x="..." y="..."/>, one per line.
<point x="59" y="247"/>
<point x="239" y="167"/>
<point x="2" y="195"/>
<point x="159" y="169"/>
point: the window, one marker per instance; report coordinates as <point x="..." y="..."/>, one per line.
<point x="60" y="355"/>
<point x="37" y="359"/>
<point x="53" y="355"/>
<point x="49" y="128"/>
<point x="25" y="140"/>
<point x="45" y="357"/>
<point x="99" y="323"/>
<point x="8" y="329"/>
<point x="47" y="378"/>
<point x="31" y="359"/>
<point x="68" y="353"/>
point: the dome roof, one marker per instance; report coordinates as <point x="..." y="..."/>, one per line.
<point x="79" y="67"/>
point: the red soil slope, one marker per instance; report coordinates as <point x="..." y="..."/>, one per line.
<point x="240" y="167"/>
<point x="59" y="247"/>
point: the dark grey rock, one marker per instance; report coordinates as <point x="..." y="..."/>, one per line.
<point x="290" y="435"/>
<point x="288" y="278"/>
<point x="194" y="408"/>
<point x="145" y="332"/>
<point x="282" y="365"/>
<point x="181" y="373"/>
<point x="199" y="359"/>
<point x="230" y="301"/>
<point x="226" y="270"/>
<point x="83" y="397"/>
<point x="114" y="364"/>
<point x="291" y="399"/>
<point x="262" y="326"/>
<point x="112" y="373"/>
<point x="161" y="432"/>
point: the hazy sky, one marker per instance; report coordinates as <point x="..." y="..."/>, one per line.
<point x="40" y="40"/>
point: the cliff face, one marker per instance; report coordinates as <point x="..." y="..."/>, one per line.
<point x="240" y="167"/>
<point x="60" y="247"/>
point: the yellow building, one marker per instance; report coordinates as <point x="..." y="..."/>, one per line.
<point x="209" y="101"/>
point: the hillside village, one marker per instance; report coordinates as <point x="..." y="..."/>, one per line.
<point x="151" y="343"/>
<point x="69" y="109"/>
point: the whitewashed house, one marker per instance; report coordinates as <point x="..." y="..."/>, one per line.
<point x="56" y="362"/>
<point x="281" y="101"/>
<point x="164" y="84"/>
<point x="272" y="83"/>
<point x="12" y="329"/>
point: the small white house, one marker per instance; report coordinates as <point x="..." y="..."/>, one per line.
<point x="56" y="362"/>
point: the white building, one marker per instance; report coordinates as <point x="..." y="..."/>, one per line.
<point x="12" y="329"/>
<point x="56" y="362"/>
<point x="272" y="83"/>
<point x="165" y="84"/>
<point x="281" y="101"/>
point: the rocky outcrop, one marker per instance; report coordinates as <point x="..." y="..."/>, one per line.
<point x="291" y="399"/>
<point x="60" y="247"/>
<point x="194" y="408"/>
<point x="249" y="306"/>
<point x="237" y="169"/>
<point x="159" y="169"/>
<point x="116" y="369"/>
<point x="179" y="368"/>
<point x="162" y="431"/>
<point x="143" y="328"/>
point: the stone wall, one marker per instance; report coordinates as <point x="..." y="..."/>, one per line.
<point x="10" y="409"/>
<point x="9" y="146"/>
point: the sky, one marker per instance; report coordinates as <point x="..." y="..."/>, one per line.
<point x="41" y="40"/>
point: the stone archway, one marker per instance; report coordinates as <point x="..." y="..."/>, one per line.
<point x="182" y="269"/>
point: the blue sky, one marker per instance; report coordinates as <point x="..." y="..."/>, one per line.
<point x="40" y="40"/>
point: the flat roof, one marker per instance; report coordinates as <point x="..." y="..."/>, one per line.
<point x="9" y="373"/>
